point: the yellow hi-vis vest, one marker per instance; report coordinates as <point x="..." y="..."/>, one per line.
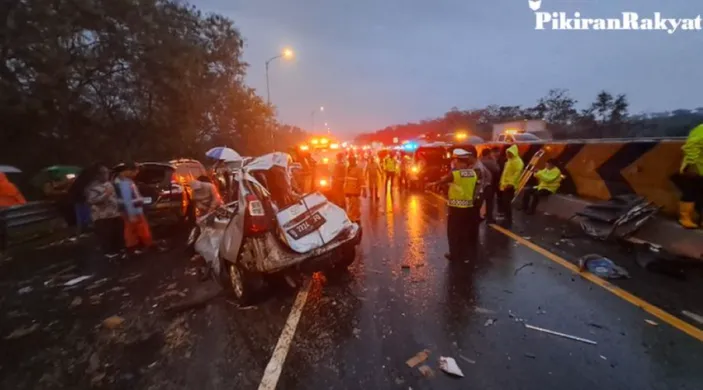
<point x="389" y="164"/>
<point x="462" y="189"/>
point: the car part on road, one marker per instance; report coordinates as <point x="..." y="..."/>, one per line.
<point x="418" y="358"/>
<point x="568" y="336"/>
<point x="602" y="267"/>
<point x="448" y="365"/>
<point x="621" y="216"/>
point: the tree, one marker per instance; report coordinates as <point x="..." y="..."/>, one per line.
<point x="82" y="80"/>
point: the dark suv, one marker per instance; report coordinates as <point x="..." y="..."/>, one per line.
<point x="429" y="164"/>
<point x="165" y="187"/>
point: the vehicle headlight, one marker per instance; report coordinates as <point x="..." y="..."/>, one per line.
<point x="414" y="169"/>
<point x="324" y="183"/>
<point x="325" y="160"/>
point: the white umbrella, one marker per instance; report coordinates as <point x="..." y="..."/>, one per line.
<point x="223" y="153"/>
<point x="9" y="169"/>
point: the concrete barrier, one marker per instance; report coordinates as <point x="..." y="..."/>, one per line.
<point x="600" y="169"/>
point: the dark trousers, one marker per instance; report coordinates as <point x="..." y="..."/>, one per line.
<point x="462" y="231"/>
<point x="489" y="198"/>
<point x="531" y="197"/>
<point x="389" y="180"/>
<point x="506" y="203"/>
<point x="110" y="232"/>
<point x="373" y="187"/>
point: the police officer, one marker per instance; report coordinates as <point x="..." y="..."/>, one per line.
<point x="465" y="184"/>
<point x="353" y="189"/>
<point x="389" y="166"/>
<point x="339" y="174"/>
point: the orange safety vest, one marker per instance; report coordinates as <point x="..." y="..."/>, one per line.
<point x="354" y="182"/>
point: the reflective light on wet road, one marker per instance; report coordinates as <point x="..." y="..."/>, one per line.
<point x="357" y="331"/>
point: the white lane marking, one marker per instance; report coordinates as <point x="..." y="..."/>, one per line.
<point x="275" y="365"/>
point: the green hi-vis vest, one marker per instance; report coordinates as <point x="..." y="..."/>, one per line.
<point x="462" y="189"/>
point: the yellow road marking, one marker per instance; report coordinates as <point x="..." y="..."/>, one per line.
<point x="274" y="367"/>
<point x="646" y="306"/>
<point x="674" y="321"/>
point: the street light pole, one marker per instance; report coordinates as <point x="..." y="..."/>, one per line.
<point x="312" y="117"/>
<point x="268" y="90"/>
<point x="287" y="53"/>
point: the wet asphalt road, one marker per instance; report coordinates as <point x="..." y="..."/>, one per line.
<point x="401" y="297"/>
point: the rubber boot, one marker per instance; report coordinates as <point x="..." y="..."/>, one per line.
<point x="686" y="211"/>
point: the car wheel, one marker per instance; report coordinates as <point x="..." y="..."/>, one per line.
<point x="243" y="284"/>
<point x="347" y="257"/>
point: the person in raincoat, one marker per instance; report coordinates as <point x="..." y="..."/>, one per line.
<point x="509" y="180"/>
<point x="373" y="174"/>
<point x="352" y="190"/>
<point x="464" y="201"/>
<point x="339" y="174"/>
<point x="548" y="181"/>
<point x="389" y="167"/>
<point x="9" y="194"/>
<point x="690" y="179"/>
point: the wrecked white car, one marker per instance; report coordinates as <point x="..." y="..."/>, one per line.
<point x="271" y="230"/>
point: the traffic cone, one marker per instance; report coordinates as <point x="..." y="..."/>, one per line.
<point x="686" y="211"/>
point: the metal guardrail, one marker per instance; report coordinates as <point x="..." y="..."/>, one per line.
<point x="18" y="217"/>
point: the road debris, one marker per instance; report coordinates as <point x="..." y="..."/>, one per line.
<point x="481" y="310"/>
<point x="418" y="358"/>
<point x="426" y="371"/>
<point x="21" y="332"/>
<point x="405" y="266"/>
<point x="515" y="317"/>
<point x="97" y="284"/>
<point x="693" y="316"/>
<point x="490" y="322"/>
<point x="448" y="365"/>
<point x="113" y="322"/>
<point x="603" y="357"/>
<point x="587" y="341"/>
<point x="521" y="267"/>
<point x="25" y="290"/>
<point x="650" y="322"/>
<point x="602" y="267"/>
<point x="464" y="358"/>
<point x="77" y="301"/>
<point x="531" y="356"/>
<point x="77" y="280"/>
<point x="356" y="332"/>
<point x="593" y="324"/>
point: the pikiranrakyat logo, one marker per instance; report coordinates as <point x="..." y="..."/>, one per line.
<point x="626" y="21"/>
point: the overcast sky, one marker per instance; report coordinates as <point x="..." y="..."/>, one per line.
<point x="374" y="63"/>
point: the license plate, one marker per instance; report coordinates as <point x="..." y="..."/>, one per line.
<point x="147" y="200"/>
<point x="306" y="227"/>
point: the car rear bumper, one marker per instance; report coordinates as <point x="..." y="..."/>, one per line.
<point x="280" y="259"/>
<point x="165" y="212"/>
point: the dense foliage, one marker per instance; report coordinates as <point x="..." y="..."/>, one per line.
<point x="606" y="117"/>
<point x="82" y="80"/>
